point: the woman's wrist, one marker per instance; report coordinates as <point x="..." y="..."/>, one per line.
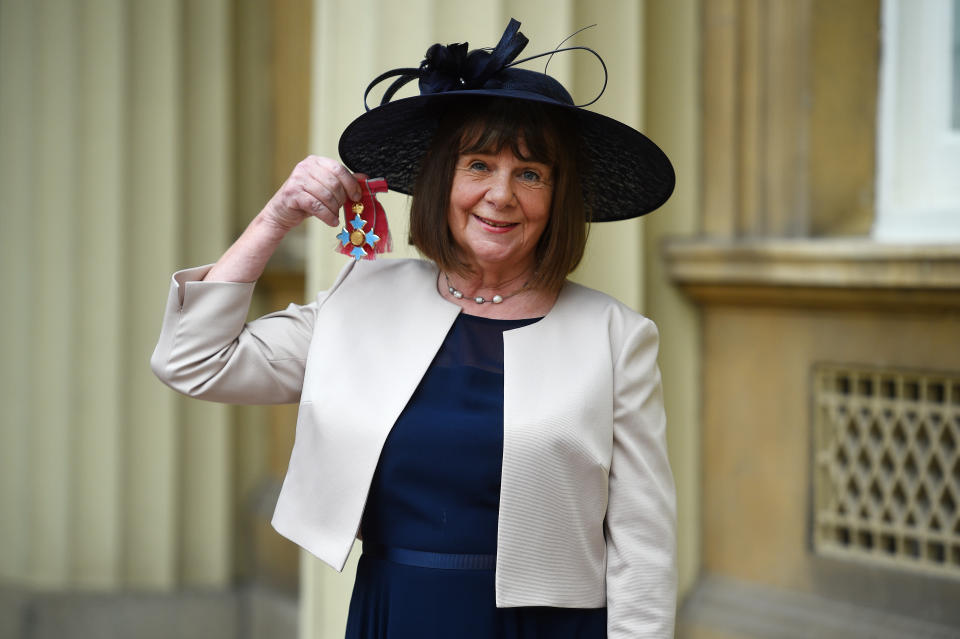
<point x="245" y="260"/>
<point x="266" y="230"/>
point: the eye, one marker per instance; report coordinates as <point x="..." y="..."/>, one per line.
<point x="477" y="165"/>
<point x="529" y="175"/>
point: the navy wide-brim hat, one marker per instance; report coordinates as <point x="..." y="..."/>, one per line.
<point x="625" y="174"/>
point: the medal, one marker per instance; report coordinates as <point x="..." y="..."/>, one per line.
<point x="366" y="233"/>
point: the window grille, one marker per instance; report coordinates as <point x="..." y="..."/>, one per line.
<point x="886" y="474"/>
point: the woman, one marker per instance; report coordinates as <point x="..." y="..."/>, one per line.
<point x="494" y="433"/>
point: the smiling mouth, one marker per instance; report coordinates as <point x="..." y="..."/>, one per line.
<point x="495" y="224"/>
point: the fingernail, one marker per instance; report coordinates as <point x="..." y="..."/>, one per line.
<point x="357" y="196"/>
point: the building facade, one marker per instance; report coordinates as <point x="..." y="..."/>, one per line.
<point x="805" y="277"/>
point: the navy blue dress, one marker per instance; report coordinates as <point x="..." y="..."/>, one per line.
<point x="437" y="490"/>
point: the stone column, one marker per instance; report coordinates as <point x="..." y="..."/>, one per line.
<point x="114" y="170"/>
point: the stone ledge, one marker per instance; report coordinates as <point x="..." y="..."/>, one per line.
<point x="253" y="613"/>
<point x="818" y="273"/>
<point x="723" y="607"/>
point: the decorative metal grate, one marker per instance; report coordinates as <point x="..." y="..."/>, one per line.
<point x="887" y="467"/>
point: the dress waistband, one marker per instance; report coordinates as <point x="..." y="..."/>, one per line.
<point x="424" y="559"/>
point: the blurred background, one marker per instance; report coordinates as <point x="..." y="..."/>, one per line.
<point x="805" y="277"/>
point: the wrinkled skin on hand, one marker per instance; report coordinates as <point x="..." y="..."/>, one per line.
<point x="317" y="187"/>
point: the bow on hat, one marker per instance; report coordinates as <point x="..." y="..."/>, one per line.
<point x="452" y="68"/>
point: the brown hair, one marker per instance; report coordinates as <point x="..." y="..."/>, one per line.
<point x="490" y="125"/>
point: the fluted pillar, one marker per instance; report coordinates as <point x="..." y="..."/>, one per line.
<point x="114" y="170"/>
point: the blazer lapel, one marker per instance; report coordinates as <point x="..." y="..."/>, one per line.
<point x="382" y="328"/>
<point x="398" y="324"/>
<point x="556" y="433"/>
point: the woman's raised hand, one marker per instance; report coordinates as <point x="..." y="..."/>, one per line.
<point x="317" y="187"/>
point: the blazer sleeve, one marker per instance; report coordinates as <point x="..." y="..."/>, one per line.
<point x="208" y="350"/>
<point x="640" y="525"/>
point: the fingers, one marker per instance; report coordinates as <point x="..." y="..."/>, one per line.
<point x="335" y="178"/>
<point x="319" y="187"/>
<point x="324" y="208"/>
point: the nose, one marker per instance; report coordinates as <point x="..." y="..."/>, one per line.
<point x="500" y="192"/>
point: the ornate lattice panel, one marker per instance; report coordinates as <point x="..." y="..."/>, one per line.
<point x="887" y="467"/>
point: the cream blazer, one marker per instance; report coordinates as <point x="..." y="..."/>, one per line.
<point x="587" y="511"/>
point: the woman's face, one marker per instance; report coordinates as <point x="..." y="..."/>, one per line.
<point x="499" y="207"/>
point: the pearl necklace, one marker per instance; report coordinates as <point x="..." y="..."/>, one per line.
<point x="496" y="299"/>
